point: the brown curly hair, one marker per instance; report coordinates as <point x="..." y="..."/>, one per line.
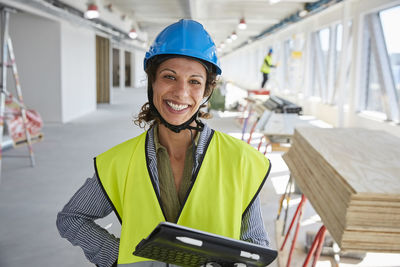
<point x="147" y="116"/>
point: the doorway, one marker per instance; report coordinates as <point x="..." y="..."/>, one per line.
<point x="102" y="69"/>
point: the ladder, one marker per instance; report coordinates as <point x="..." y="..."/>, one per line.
<point x="7" y="53"/>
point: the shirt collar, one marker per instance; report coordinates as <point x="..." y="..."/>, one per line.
<point x="158" y="145"/>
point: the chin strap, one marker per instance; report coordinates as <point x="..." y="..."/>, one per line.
<point x="183" y="126"/>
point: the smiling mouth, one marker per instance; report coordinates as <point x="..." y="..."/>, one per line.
<point x="176" y="107"/>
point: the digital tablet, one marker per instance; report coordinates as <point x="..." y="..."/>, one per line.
<point x="176" y="244"/>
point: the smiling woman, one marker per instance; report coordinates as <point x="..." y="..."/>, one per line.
<point x="178" y="75"/>
<point x="178" y="170"/>
<point x="179" y="89"/>
<point x="149" y="114"/>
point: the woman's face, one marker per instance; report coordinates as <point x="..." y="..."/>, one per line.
<point x="178" y="89"/>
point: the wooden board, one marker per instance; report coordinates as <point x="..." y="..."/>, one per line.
<point x="369" y="160"/>
<point x="352" y="179"/>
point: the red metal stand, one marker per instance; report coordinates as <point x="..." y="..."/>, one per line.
<point x="317" y="244"/>
<point x="298" y="213"/>
<point x="266" y="144"/>
<point x="316" y="247"/>
<point x="259" y="144"/>
<point x="252" y="130"/>
<point x="261" y="91"/>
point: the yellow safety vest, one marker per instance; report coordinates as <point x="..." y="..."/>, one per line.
<point x="265" y="67"/>
<point x="230" y="177"/>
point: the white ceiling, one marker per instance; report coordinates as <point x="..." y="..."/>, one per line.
<point x="219" y="17"/>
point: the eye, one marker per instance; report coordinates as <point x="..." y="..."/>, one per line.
<point x="168" y="76"/>
<point x="194" y="82"/>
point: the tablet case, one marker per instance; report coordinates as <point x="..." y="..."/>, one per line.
<point x="176" y="244"/>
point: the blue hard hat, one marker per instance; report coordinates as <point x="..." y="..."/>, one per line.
<point x="187" y="38"/>
<point x="270" y="50"/>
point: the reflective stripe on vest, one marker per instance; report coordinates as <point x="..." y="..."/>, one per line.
<point x="265" y="67"/>
<point x="230" y="176"/>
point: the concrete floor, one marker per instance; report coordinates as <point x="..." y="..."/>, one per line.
<point x="31" y="197"/>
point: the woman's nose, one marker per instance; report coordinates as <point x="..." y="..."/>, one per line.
<point x="182" y="88"/>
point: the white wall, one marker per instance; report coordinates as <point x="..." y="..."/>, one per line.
<point x="139" y="77"/>
<point x="57" y="64"/>
<point x="36" y="43"/>
<point x="78" y="71"/>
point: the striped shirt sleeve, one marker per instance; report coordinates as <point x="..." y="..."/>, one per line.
<point x="253" y="229"/>
<point x="76" y="223"/>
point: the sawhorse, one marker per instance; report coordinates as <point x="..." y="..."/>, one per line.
<point x="317" y="244"/>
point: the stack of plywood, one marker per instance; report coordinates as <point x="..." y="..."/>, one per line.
<point x="352" y="179"/>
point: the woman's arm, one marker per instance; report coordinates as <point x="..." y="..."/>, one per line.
<point x="76" y="223"/>
<point x="253" y="229"/>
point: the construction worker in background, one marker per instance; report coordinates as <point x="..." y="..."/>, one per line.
<point x="179" y="170"/>
<point x="266" y="67"/>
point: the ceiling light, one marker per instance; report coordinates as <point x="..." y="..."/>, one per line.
<point x="133" y="34"/>
<point x="222" y="45"/>
<point x="234" y="36"/>
<point x="274" y="1"/>
<point x="303" y="13"/>
<point x="242" y="24"/>
<point x="229" y="40"/>
<point x="92" y="12"/>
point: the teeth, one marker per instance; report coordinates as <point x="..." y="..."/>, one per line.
<point x="176" y="107"/>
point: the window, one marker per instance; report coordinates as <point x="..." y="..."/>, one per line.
<point x="339" y="34"/>
<point x="338" y="66"/>
<point x="390" y="20"/>
<point x="295" y="64"/>
<point x="288" y="47"/>
<point x="381" y="49"/>
<point x="373" y="98"/>
<point x="277" y="79"/>
<point x="324" y="36"/>
<point x="321" y="47"/>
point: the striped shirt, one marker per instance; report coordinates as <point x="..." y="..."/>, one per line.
<point x="76" y="220"/>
